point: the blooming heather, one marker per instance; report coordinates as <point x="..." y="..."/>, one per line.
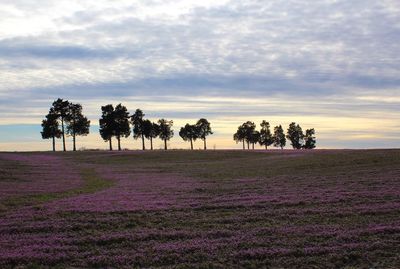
<point x="168" y="211"/>
<point x="23" y="174"/>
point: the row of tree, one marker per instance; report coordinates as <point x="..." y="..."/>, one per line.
<point x="72" y="121"/>
<point x="115" y="122"/>
<point x="192" y="132"/>
<point x="247" y="133"/>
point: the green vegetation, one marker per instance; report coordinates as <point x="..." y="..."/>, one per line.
<point x="92" y="183"/>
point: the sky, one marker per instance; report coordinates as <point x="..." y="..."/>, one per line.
<point x="332" y="65"/>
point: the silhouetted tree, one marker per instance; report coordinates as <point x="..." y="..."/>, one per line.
<point x="309" y="139"/>
<point x="77" y="124"/>
<point x="166" y="132"/>
<point x="266" y="138"/>
<point x="250" y="128"/>
<point x="51" y="127"/>
<point x="107" y="124"/>
<point x="151" y="130"/>
<point x="279" y="137"/>
<point x="121" y="127"/>
<point x="189" y="133"/>
<point x="295" y="135"/>
<point x="147" y="128"/>
<point x="254" y="138"/>
<point x="240" y="135"/>
<point x="203" y="129"/>
<point x="61" y="108"/>
<point x="138" y="128"/>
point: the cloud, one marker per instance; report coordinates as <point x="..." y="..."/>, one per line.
<point x="53" y="52"/>
<point x="325" y="58"/>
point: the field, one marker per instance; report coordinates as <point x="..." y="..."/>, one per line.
<point x="214" y="209"/>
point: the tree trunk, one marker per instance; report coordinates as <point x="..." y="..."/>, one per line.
<point x="165" y="144"/>
<point x="143" y="146"/>
<point x="54" y="143"/>
<point x="191" y="144"/>
<point x="205" y="144"/>
<point x="248" y="145"/>
<point x="253" y="145"/>
<point x="63" y="135"/>
<point x="266" y="146"/>
<point x="74" y="141"/>
<point x="151" y="143"/>
<point x="110" y="140"/>
<point x="119" y="142"/>
<point x="244" y="147"/>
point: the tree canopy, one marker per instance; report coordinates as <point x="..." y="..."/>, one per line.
<point x="61" y="109"/>
<point x="166" y="132"/>
<point x="189" y="133"/>
<point x="309" y="139"/>
<point x="266" y="138"/>
<point x="279" y="137"/>
<point x="121" y="126"/>
<point x="114" y="122"/>
<point x="50" y="127"/>
<point x="138" y="126"/>
<point x="107" y="124"/>
<point x="203" y="130"/>
<point x="77" y="123"/>
<point x="151" y="130"/>
<point x="295" y="135"/>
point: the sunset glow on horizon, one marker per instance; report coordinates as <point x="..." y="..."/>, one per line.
<point x="329" y="65"/>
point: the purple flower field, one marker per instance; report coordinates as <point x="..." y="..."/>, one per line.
<point x="216" y="209"/>
<point x="33" y="174"/>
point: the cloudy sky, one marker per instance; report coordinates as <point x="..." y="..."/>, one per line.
<point x="329" y="64"/>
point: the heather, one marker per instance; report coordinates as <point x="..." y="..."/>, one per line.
<point x="33" y="174"/>
<point x="216" y="209"/>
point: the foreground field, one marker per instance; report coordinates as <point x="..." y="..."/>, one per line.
<point x="216" y="209"/>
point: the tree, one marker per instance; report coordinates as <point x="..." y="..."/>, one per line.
<point x="189" y="133"/>
<point x="61" y="108"/>
<point x="246" y="133"/>
<point x="249" y="128"/>
<point x="77" y="124"/>
<point x="240" y="135"/>
<point x="138" y="128"/>
<point x="203" y="128"/>
<point x="51" y="127"/>
<point x="266" y="138"/>
<point x="295" y="135"/>
<point x="309" y="139"/>
<point x="121" y="126"/>
<point x="166" y="132"/>
<point x="107" y="124"/>
<point x="254" y="138"/>
<point x="279" y="137"/>
<point x="151" y="130"/>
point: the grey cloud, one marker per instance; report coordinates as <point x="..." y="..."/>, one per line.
<point x="55" y="52"/>
<point x="293" y="49"/>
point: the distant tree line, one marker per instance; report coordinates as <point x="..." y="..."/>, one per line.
<point x="248" y="134"/>
<point x="115" y="122"/>
<point x="66" y="118"/>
